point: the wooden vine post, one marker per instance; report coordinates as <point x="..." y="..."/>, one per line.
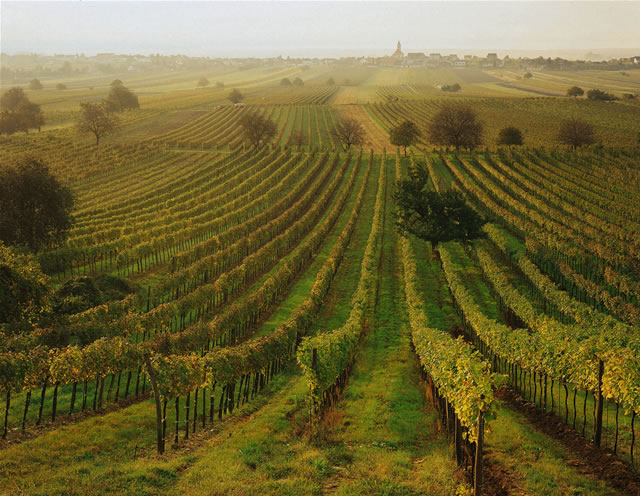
<point x="477" y="474"/>
<point x="156" y="393"/>
<point x="598" y="427"/>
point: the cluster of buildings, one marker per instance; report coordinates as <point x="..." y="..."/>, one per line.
<point x="439" y="60"/>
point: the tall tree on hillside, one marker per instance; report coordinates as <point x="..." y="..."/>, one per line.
<point x="576" y="133"/>
<point x="404" y="134"/>
<point x="96" y="119"/>
<point x="35" y="208"/>
<point x="257" y="129"/>
<point x="235" y="96"/>
<point x="432" y="216"/>
<point x="349" y="132"/>
<point x="456" y="124"/>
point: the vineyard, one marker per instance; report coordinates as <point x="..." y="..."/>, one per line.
<point x="281" y="337"/>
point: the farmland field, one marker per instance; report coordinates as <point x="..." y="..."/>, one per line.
<point x="287" y="338"/>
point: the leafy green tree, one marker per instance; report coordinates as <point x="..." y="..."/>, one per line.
<point x="456" y="124"/>
<point x="576" y="133"/>
<point x="235" y="96"/>
<point x="575" y="91"/>
<point x="202" y="82"/>
<point x="510" y="136"/>
<point x="18" y="113"/>
<point x="121" y="98"/>
<point x="285" y="82"/>
<point x="298" y="82"/>
<point x="95" y="118"/>
<point x="35" y="208"/>
<point x="600" y="95"/>
<point x="404" y="134"/>
<point x="432" y="216"/>
<point x="528" y="75"/>
<point x="257" y="128"/>
<point x="453" y="88"/>
<point x="35" y="84"/>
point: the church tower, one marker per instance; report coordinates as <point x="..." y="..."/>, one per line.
<point x="398" y="53"/>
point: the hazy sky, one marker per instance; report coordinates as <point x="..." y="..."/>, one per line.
<point x="313" y="28"/>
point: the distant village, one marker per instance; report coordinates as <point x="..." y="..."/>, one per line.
<point x="33" y="65"/>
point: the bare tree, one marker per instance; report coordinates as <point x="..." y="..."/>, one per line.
<point x="299" y="139"/>
<point x="456" y="125"/>
<point x="257" y="128"/>
<point x="348" y="132"/>
<point x="576" y="133"/>
<point x="95" y="119"/>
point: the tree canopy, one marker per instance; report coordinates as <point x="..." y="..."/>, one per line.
<point x="95" y="118"/>
<point x="575" y="91"/>
<point x="349" y="132"/>
<point x="510" y="136"/>
<point x="202" y="82"/>
<point x="432" y="216"/>
<point x="257" y="128"/>
<point x="600" y="95"/>
<point x="35" y="208"/>
<point x="235" y="96"/>
<point x="404" y="134"/>
<point x="576" y="133"/>
<point x="298" y="82"/>
<point x="121" y="98"/>
<point x="285" y="82"/>
<point x="35" y="84"/>
<point x="17" y="113"/>
<point x="456" y="125"/>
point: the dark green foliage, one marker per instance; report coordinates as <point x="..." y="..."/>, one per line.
<point x="575" y="91"/>
<point x="17" y="113"/>
<point x="510" y="136"/>
<point x="576" y="133"/>
<point x="81" y="293"/>
<point x="285" y="82"/>
<point x="257" y="128"/>
<point x="121" y="98"/>
<point x="451" y="87"/>
<point x="404" y="134"/>
<point x="24" y="292"/>
<point x="432" y="216"/>
<point x="298" y="82"/>
<point x="456" y="125"/>
<point x="600" y="96"/>
<point x="528" y="75"/>
<point x="35" y="208"/>
<point x="235" y="96"/>
<point x="35" y="84"/>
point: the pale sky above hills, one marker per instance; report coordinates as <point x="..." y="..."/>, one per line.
<point x="262" y="29"/>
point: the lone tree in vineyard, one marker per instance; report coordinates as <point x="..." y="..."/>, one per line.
<point x="575" y="91"/>
<point x="456" y="125"/>
<point x="432" y="216"/>
<point x="35" y="208"/>
<point x="95" y="119"/>
<point x="404" y="135"/>
<point x="18" y="113"/>
<point x="235" y="96"/>
<point x="510" y="136"/>
<point x="257" y="129"/>
<point x="121" y="98"/>
<point x="349" y="132"/>
<point x="575" y="133"/>
<point x="202" y="82"/>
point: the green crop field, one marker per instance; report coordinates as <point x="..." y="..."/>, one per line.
<point x="282" y="338"/>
